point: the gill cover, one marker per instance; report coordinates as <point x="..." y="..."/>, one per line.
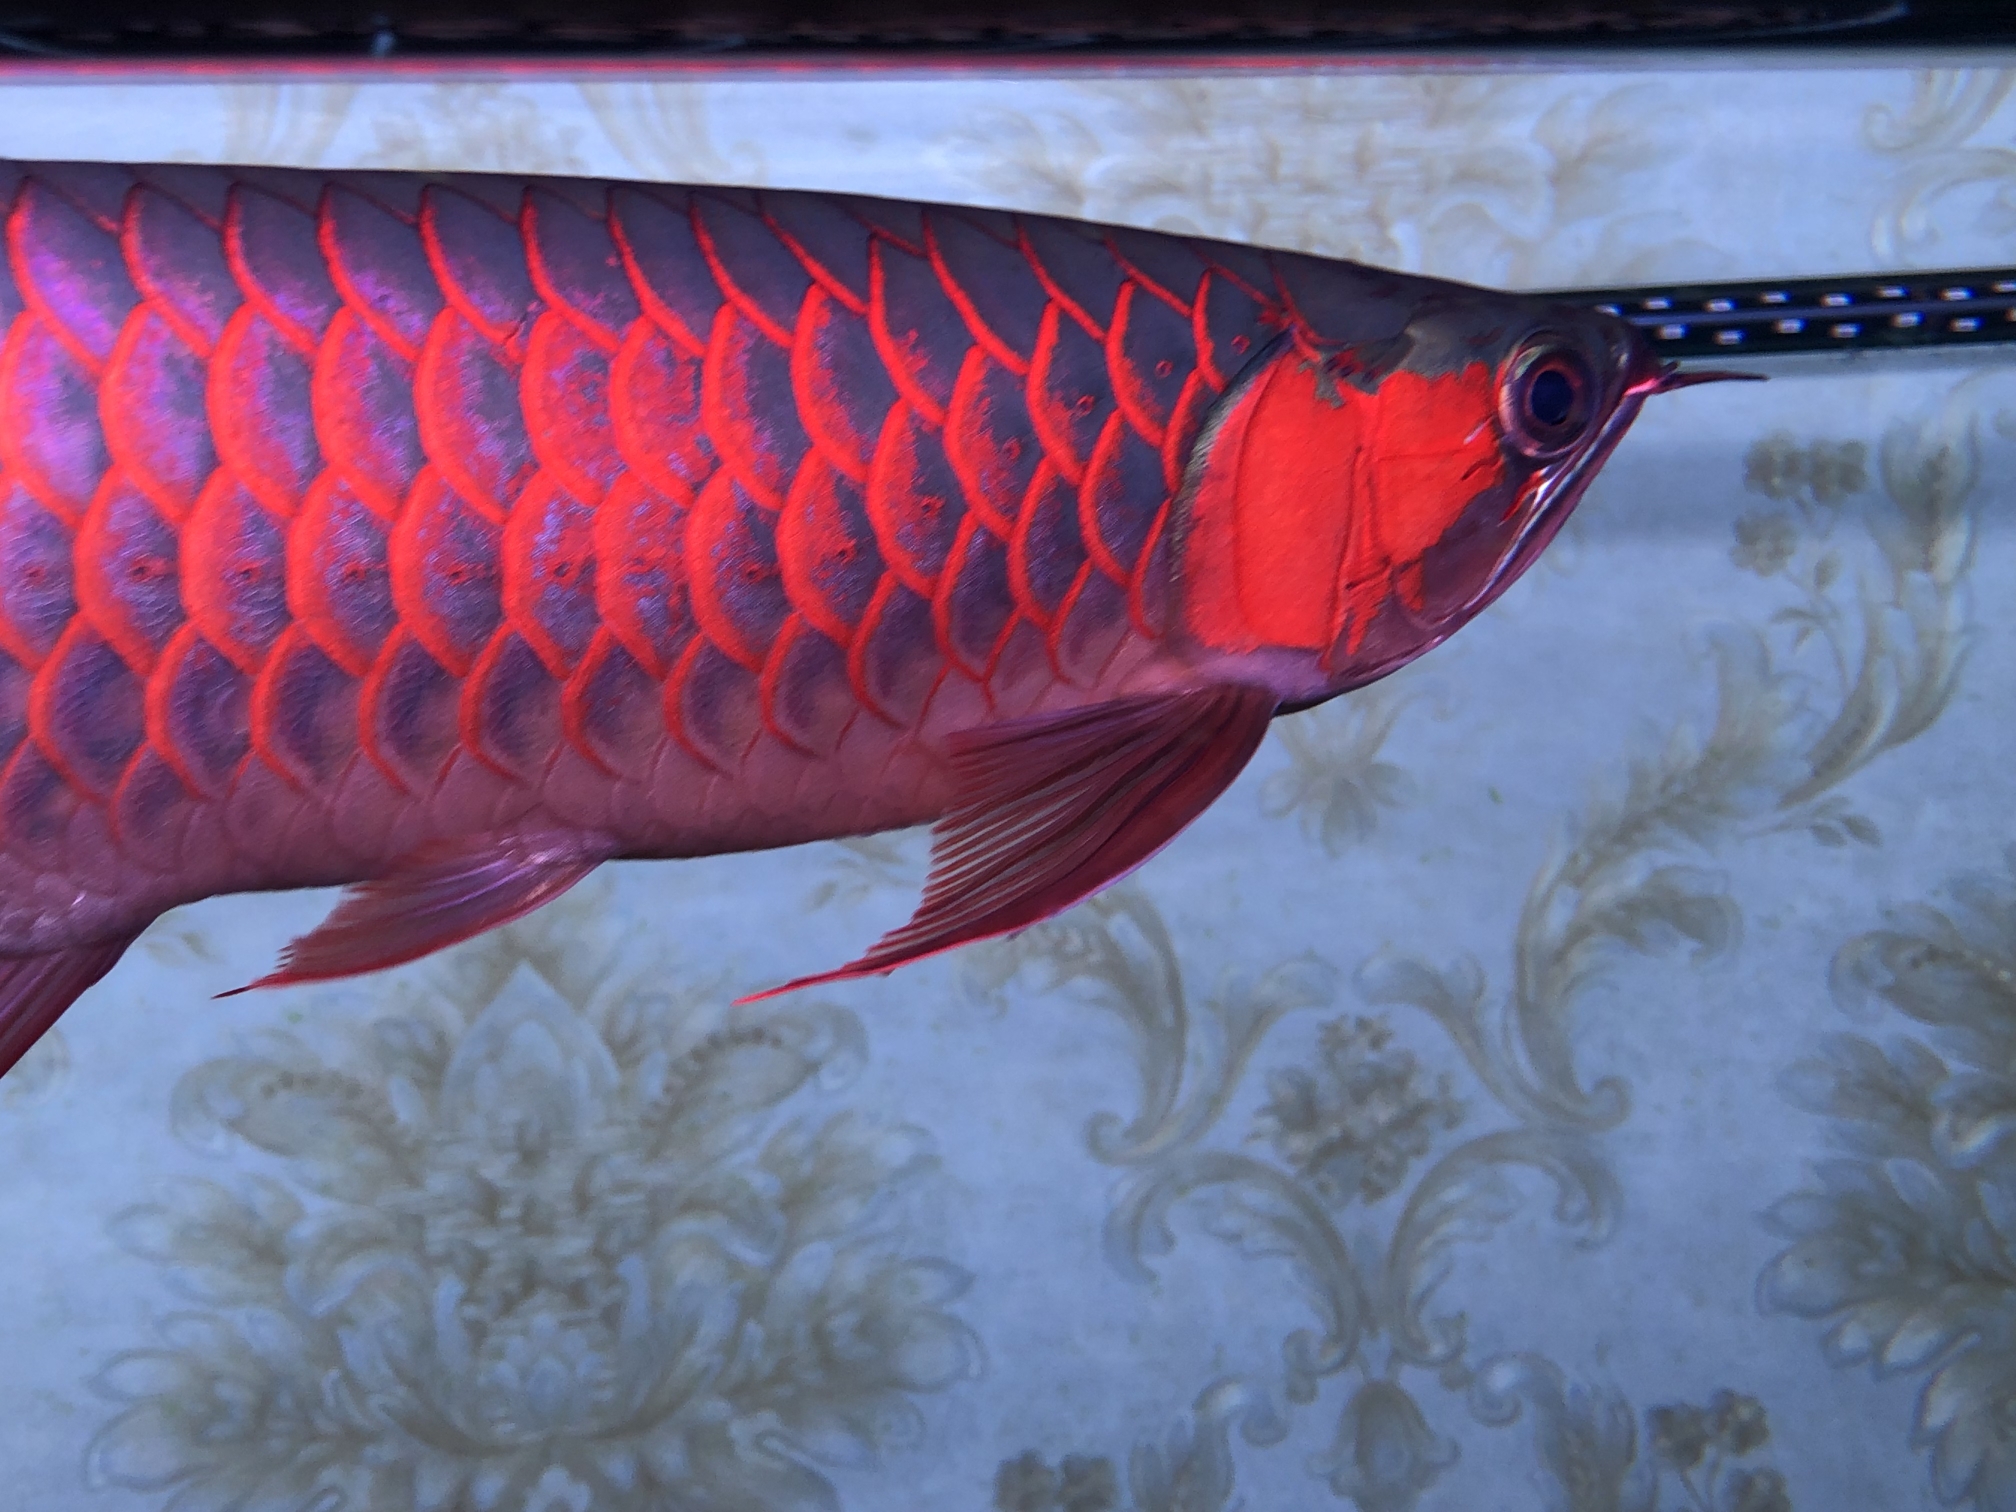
<point x="1315" y="489"/>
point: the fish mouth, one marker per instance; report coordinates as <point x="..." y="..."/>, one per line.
<point x="1671" y="376"/>
<point x="1547" y="505"/>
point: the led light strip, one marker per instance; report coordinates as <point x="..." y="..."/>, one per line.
<point x="1965" y="308"/>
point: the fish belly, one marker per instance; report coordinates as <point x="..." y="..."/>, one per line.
<point x="345" y="515"/>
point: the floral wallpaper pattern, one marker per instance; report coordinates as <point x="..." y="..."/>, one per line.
<point x="1578" y="1073"/>
<point x="1905" y="1241"/>
<point x="541" y="1243"/>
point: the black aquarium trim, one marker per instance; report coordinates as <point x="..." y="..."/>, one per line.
<point x="214" y="29"/>
<point x="1970" y="307"/>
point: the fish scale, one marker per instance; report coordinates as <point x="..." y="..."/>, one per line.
<point x="447" y="535"/>
<point x="358" y="464"/>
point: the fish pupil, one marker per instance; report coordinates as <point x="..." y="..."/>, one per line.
<point x="1550" y="399"/>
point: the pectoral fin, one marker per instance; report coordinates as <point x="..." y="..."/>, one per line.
<point x="34" y="991"/>
<point x="1051" y="809"/>
<point x="440" y="896"/>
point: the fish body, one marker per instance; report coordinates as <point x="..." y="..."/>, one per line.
<point x="448" y="535"/>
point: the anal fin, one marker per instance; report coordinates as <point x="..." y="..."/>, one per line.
<point x="1051" y="809"/>
<point x="35" y="989"/>
<point x="438" y="896"/>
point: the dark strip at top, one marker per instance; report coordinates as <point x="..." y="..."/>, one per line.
<point x="836" y="29"/>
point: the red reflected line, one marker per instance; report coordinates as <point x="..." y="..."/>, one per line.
<point x="649" y="68"/>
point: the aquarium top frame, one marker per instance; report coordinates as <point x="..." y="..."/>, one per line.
<point x="383" y="29"/>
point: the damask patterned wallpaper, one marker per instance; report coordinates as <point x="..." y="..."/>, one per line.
<point x="1579" y="1073"/>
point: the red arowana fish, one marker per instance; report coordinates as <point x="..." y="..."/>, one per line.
<point x="448" y="536"/>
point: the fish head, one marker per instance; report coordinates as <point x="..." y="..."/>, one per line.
<point x="1349" y="506"/>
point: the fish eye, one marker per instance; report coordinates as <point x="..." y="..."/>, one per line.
<point x="1547" y="398"/>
